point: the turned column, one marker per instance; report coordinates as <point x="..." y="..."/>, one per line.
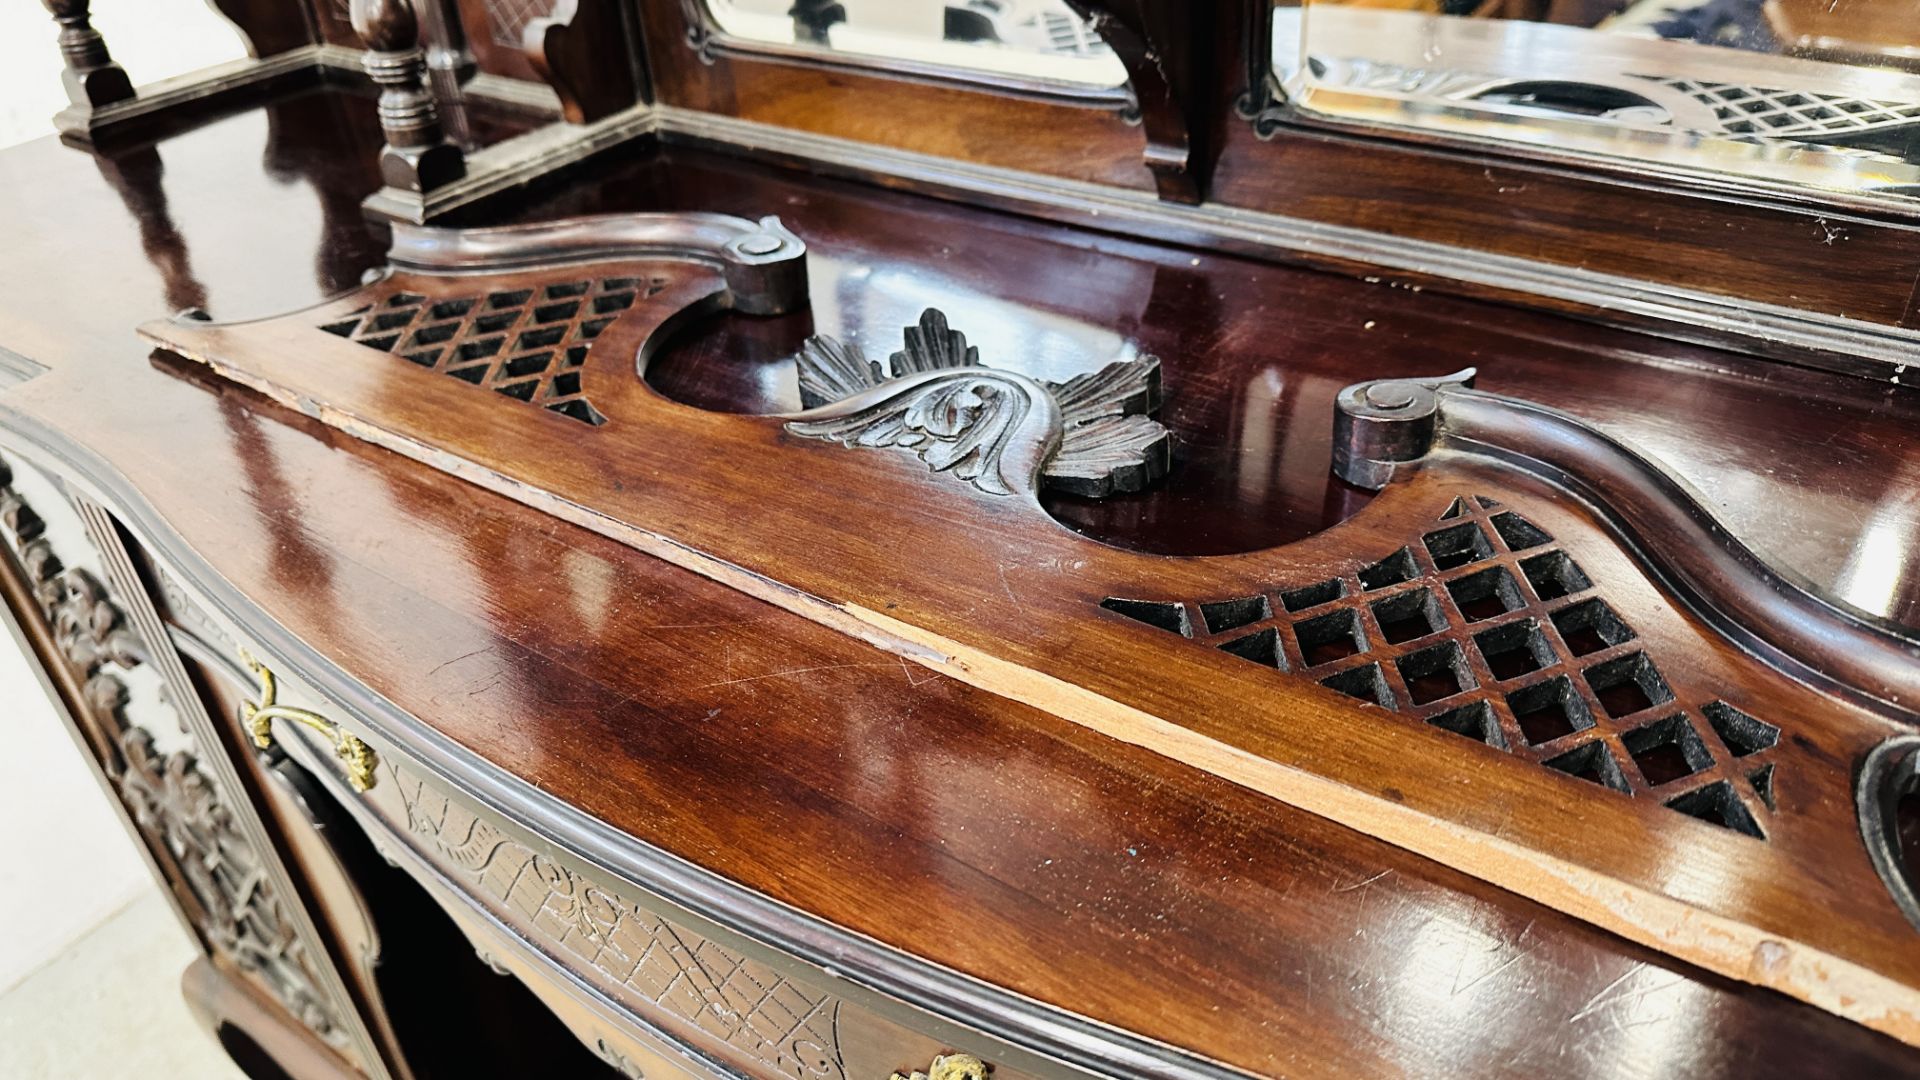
<point x="417" y="156"/>
<point x="91" y="76"/>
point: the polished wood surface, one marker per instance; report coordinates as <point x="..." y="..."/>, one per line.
<point x="817" y="790"/>
<point x="991" y="607"/>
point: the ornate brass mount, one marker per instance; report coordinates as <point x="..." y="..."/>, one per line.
<point x="357" y="756"/>
<point x="949" y="1067"/>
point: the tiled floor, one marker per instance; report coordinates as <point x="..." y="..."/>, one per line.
<point x="90" y="954"/>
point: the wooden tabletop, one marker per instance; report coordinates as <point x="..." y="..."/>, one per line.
<point x="979" y="834"/>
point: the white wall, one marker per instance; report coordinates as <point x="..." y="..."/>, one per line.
<point x="152" y="39"/>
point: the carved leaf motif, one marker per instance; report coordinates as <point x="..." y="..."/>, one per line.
<point x="932" y="346"/>
<point x="831" y="370"/>
<point x="960" y="424"/>
<point x="1088" y="433"/>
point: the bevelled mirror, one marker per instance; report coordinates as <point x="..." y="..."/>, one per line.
<point x="1039" y="40"/>
<point x="1820" y="94"/>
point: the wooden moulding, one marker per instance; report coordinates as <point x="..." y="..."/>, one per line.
<point x="1749" y="863"/>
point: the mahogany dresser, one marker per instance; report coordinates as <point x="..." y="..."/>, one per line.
<point x="996" y="538"/>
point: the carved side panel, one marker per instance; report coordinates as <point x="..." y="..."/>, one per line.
<point x="218" y="871"/>
<point x="711" y="995"/>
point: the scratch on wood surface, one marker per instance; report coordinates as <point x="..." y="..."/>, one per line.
<point x="1005" y="584"/>
<point x="907" y="670"/>
<point x="1611" y="995"/>
<point x="779" y="674"/>
<point x="455" y="660"/>
<point x="1362" y="884"/>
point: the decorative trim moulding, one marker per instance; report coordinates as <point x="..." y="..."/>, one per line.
<point x="202" y="93"/>
<point x="512" y="163"/>
<point x="1808" y="339"/>
<point x="1802" y="912"/>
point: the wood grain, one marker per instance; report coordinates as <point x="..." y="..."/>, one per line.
<point x="975" y="833"/>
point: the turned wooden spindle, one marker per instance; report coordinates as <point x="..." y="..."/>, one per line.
<point x="417" y="156"/>
<point x="91" y="76"/>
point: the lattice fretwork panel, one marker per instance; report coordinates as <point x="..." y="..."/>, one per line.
<point x="1484" y="627"/>
<point x="527" y="344"/>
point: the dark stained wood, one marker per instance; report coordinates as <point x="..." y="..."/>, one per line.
<point x="926" y="813"/>
<point x="494" y="34"/>
<point x="1163" y="47"/>
<point x="259" y="1038"/>
<point x="1718" y="237"/>
<point x="584" y="51"/>
<point x="956" y="609"/>
<point x="417" y="157"/>
<point x="1075" y="142"/>
<point x="269" y="27"/>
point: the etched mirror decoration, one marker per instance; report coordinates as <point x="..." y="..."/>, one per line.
<point x="1044" y="41"/>
<point x="1797" y="93"/>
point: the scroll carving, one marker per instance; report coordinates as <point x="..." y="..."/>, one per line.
<point x="994" y="429"/>
<point x="776" y="1023"/>
<point x="168" y="794"/>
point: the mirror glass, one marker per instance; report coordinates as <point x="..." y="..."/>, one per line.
<point x="1041" y="40"/>
<point x="1814" y="93"/>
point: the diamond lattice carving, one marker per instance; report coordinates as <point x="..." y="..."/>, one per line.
<point x="527" y="344"/>
<point x="1482" y="626"/>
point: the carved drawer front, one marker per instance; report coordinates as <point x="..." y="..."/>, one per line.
<point x="73" y="589"/>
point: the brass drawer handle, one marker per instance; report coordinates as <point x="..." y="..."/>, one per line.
<point x="357" y="756"/>
<point x="950" y="1067"/>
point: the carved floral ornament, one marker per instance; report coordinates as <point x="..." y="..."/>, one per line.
<point x="997" y="430"/>
<point x="167" y="793"/>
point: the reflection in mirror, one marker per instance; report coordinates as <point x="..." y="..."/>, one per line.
<point x="1035" y="39"/>
<point x="1818" y="93"/>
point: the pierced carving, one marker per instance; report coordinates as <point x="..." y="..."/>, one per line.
<point x="994" y="429"/>
<point x="177" y="806"/>
<point x="786" y="1027"/>
<point x="527" y="344"/>
<point x="1484" y="627"/>
<point x="172" y="800"/>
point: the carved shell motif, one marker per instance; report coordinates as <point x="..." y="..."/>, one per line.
<point x="997" y="430"/>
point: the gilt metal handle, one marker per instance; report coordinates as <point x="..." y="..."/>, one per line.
<point x="357" y="756"/>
